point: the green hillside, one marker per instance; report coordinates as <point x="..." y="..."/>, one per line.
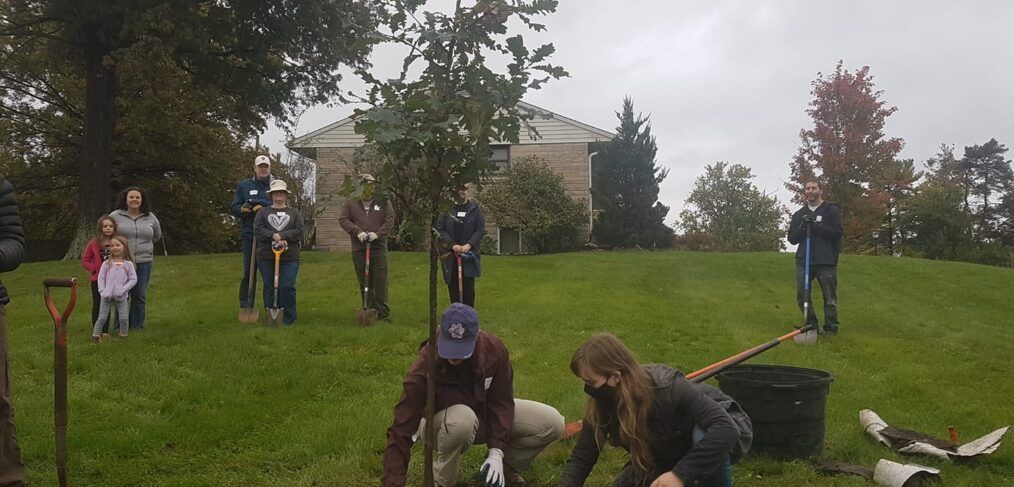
<point x="200" y="399"/>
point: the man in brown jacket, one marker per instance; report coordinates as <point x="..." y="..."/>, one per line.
<point x="475" y="404"/>
<point x="370" y="221"/>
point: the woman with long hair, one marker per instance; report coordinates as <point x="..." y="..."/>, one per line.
<point x="139" y="225"/>
<point x="676" y="432"/>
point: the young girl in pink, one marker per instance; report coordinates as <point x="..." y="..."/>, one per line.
<point x="95" y="253"/>
<point x="116" y="277"/>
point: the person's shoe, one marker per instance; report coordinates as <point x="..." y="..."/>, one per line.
<point x="96" y="339"/>
<point x="105" y="335"/>
<point x="830" y="331"/>
<point x="121" y="335"/>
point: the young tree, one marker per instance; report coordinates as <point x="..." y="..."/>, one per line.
<point x="625" y="179"/>
<point x="533" y="199"/>
<point x="846" y="148"/>
<point x="441" y="123"/>
<point x="727" y="206"/>
<point x="245" y="60"/>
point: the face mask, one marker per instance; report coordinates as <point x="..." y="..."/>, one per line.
<point x="602" y="393"/>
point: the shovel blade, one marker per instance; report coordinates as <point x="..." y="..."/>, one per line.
<point x="366" y="317"/>
<point x="249" y="315"/>
<point x="275" y="316"/>
<point x="806" y="338"/>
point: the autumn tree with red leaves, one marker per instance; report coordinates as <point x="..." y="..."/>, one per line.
<point x="847" y="151"/>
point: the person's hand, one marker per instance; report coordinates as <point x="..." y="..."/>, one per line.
<point x="257" y="208"/>
<point x="276" y="237"/>
<point x="373" y="236"/>
<point x="363" y="236"/>
<point x="466" y="248"/>
<point x="246" y="208"/>
<point x="492" y="469"/>
<point x="457" y="249"/>
<point x="667" y="479"/>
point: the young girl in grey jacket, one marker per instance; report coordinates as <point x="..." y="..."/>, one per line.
<point x="116" y="277"/>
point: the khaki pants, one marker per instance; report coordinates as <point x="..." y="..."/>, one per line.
<point x="12" y="471"/>
<point x="536" y="425"/>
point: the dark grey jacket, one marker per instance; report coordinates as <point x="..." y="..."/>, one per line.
<point x="677" y="406"/>
<point x="474" y="229"/>
<point x="825" y="234"/>
<point x="12" y="235"/>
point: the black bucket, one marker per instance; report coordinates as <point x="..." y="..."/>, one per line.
<point x="785" y="404"/>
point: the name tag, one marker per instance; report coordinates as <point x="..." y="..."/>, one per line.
<point x="253" y="192"/>
<point x="281" y="214"/>
<point x="376" y="207"/>
<point x="818" y="218"/>
<point x="461" y="214"/>
<point x="488" y="382"/>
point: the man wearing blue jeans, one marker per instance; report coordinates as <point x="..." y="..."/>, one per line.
<point x="823" y="220"/>
<point x="251" y="196"/>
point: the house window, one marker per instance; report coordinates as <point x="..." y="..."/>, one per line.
<point x="510" y="241"/>
<point x="501" y="156"/>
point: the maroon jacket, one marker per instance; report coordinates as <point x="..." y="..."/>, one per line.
<point x="489" y="391"/>
<point x="354" y="219"/>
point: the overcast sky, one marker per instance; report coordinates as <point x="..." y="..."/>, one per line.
<point x="730" y="80"/>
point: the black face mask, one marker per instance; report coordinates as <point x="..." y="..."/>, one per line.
<point x="602" y="393"/>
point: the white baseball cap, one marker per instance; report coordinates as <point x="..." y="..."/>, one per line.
<point x="262" y="161"/>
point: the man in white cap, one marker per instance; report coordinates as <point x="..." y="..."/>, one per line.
<point x="475" y="404"/>
<point x="251" y="196"/>
<point x="368" y="220"/>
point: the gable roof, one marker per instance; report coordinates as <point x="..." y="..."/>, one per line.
<point x="553" y="128"/>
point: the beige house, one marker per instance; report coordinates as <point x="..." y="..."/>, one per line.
<point x="563" y="143"/>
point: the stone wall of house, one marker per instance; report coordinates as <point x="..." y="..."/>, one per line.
<point x="333" y="164"/>
<point x="570" y="160"/>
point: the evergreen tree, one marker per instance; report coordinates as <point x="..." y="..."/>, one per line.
<point x="625" y="179"/>
<point x="990" y="179"/>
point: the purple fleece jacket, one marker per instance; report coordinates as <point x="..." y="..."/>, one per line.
<point x="115" y="281"/>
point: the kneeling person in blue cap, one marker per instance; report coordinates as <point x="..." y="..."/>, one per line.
<point x="474" y="404"/>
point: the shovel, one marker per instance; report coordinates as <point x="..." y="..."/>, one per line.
<point x="706" y="373"/>
<point x="461" y="292"/>
<point x="366" y="315"/>
<point x="60" y="369"/>
<point x="251" y="315"/>
<point x="275" y="312"/>
<point x="810" y="336"/>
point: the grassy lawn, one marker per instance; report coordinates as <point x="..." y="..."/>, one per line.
<point x="199" y="399"/>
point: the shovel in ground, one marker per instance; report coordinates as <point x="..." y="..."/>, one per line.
<point x="60" y="369"/>
<point x="365" y="316"/>
<point x="275" y="313"/>
<point x="251" y="314"/>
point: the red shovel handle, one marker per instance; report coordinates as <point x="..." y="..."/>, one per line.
<point x="70" y="282"/>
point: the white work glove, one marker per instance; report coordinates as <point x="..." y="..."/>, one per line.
<point x="492" y="468"/>
<point x="373" y="236"/>
<point x="362" y="236"/>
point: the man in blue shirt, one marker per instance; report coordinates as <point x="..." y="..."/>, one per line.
<point x="251" y="196"/>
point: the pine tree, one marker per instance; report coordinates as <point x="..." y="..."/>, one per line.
<point x="625" y="179"/>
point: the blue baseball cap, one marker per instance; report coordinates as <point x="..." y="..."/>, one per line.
<point x="459" y="328"/>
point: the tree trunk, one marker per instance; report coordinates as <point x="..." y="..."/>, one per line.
<point x="95" y="170"/>
<point x="431" y="353"/>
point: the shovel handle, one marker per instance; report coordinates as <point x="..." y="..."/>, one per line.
<point x="60" y="319"/>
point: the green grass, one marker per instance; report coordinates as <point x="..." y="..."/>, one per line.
<point x="200" y="399"/>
